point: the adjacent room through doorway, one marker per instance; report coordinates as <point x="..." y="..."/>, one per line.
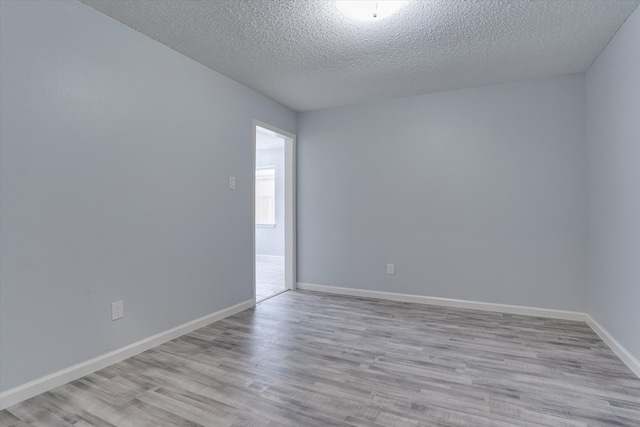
<point x="269" y="213"/>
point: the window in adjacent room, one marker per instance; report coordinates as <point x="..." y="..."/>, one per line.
<point x="266" y="197"/>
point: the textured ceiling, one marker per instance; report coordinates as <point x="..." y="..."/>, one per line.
<point x="307" y="55"/>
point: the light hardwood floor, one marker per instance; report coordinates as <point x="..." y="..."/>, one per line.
<point x="310" y="359"/>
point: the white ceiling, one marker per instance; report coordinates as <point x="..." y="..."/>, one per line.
<point x="307" y="55"/>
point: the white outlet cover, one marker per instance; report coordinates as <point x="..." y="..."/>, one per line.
<point x="117" y="310"/>
<point x="391" y="269"/>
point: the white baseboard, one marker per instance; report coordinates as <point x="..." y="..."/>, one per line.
<point x="270" y="256"/>
<point x="447" y="302"/>
<point x="56" y="379"/>
<point x="624" y="354"/>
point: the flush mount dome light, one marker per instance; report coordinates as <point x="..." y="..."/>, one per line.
<point x="369" y="10"/>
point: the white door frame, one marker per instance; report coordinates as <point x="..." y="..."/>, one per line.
<point x="289" y="205"/>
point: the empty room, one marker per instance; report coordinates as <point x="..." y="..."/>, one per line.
<point x="455" y="202"/>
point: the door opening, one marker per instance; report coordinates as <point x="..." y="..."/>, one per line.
<point x="274" y="216"/>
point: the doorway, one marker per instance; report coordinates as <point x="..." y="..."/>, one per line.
<point x="274" y="216"/>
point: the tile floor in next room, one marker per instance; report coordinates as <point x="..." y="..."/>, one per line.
<point x="269" y="276"/>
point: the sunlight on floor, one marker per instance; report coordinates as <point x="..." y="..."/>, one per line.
<point x="269" y="276"/>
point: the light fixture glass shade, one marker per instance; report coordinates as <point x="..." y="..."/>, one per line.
<point x="369" y="10"/>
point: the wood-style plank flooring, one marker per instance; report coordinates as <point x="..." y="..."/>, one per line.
<point x="310" y="359"/>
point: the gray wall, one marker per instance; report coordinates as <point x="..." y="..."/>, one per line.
<point x="475" y="194"/>
<point x="270" y="241"/>
<point x="116" y="153"/>
<point x="114" y="163"/>
<point x="613" y="137"/>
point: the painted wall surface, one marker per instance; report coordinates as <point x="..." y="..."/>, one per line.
<point x="613" y="139"/>
<point x="270" y="241"/>
<point x="476" y="194"/>
<point x="115" y="159"/>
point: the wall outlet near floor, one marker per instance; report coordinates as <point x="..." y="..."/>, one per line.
<point x="391" y="269"/>
<point x="117" y="310"/>
<point x="232" y="182"/>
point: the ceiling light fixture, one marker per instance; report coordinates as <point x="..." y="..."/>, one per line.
<point x="369" y="10"/>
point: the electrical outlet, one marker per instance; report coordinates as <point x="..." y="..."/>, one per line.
<point x="232" y="182"/>
<point x="391" y="269"/>
<point x="117" y="310"/>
